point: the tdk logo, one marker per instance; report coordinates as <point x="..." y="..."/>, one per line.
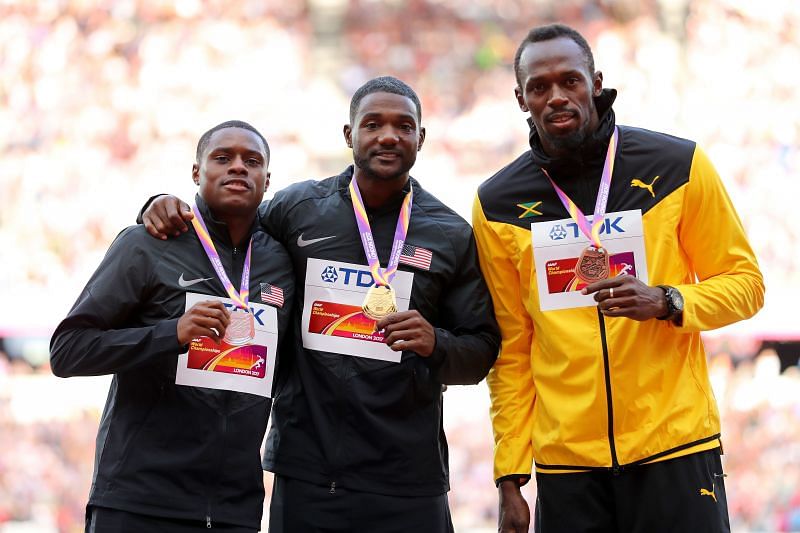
<point x="329" y="275"/>
<point x="362" y="278"/>
<point x="255" y="312"/>
<point x="609" y="226"/>
<point x="352" y="276"/>
<point x="558" y="232"/>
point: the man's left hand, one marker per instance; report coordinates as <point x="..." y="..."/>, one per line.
<point x="408" y="331"/>
<point x="627" y="296"/>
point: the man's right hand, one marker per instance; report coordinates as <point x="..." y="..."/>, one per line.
<point x="167" y="215"/>
<point x="515" y="516"/>
<point x="203" y="319"/>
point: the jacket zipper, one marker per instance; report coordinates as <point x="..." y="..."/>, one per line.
<point x="336" y="459"/>
<point x="615" y="468"/>
<point x="224" y="431"/>
<point x="234" y="253"/>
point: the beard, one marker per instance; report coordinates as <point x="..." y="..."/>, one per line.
<point x="569" y="141"/>
<point x="363" y="163"/>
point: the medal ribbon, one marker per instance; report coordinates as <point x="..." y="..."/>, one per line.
<point x="381" y="276"/>
<point x="592" y="231"/>
<point x="241" y="297"/>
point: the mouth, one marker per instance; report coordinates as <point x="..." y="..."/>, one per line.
<point x="561" y="118"/>
<point x="387" y="155"/>
<point x="236" y="184"/>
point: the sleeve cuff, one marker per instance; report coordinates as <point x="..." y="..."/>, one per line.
<point x="166" y="335"/>
<point x="520" y="479"/>
<point x="139" y="217"/>
<point x="439" y="352"/>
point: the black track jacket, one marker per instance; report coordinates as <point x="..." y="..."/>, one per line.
<point x="366" y="424"/>
<point x="163" y="449"/>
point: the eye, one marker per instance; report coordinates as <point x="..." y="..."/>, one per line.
<point x="407" y="128"/>
<point x="572" y="82"/>
<point x="221" y="158"/>
<point x="538" y="88"/>
<point x="371" y="126"/>
<point x="253" y="162"/>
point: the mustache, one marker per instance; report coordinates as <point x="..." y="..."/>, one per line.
<point x="561" y="114"/>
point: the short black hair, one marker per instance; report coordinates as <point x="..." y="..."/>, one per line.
<point x="550" y="32"/>
<point x="384" y="84"/>
<point x="202" y="144"/>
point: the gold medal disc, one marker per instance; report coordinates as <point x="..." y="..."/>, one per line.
<point x="241" y="329"/>
<point x="592" y="264"/>
<point x="379" y="303"/>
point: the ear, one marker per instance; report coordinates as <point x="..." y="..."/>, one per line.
<point x="266" y="181"/>
<point x="421" y="139"/>
<point x="520" y="100"/>
<point x="597" y="84"/>
<point x="348" y="135"/>
<point x="196" y="174"/>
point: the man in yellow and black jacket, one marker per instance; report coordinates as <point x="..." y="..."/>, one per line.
<point x="611" y="403"/>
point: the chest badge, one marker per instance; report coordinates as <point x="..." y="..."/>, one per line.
<point x="529" y="209"/>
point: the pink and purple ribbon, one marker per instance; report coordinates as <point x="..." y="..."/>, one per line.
<point x="382" y="277"/>
<point x="592" y="231"/>
<point x="240" y="298"/>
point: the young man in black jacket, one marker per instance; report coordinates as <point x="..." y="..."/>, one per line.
<point x="172" y="457"/>
<point x="357" y="442"/>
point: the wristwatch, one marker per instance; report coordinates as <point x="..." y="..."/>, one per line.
<point x="674" y="300"/>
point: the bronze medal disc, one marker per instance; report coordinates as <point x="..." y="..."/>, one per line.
<point x="379" y="303"/>
<point x="592" y="264"/>
<point x="241" y="329"/>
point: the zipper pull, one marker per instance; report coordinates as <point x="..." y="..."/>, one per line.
<point x="208" y="521"/>
<point x="333" y="488"/>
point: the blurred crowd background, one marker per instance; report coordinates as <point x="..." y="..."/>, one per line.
<point x="102" y="102"/>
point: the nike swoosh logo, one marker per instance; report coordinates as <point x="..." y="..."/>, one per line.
<point x="189" y="282"/>
<point x="302" y="243"/>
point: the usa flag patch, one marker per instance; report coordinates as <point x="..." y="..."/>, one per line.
<point x="270" y="294"/>
<point x="416" y="256"/>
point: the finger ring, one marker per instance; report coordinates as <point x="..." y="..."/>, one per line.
<point x="611" y="292"/>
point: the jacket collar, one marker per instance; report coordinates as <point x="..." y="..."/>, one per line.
<point x="343" y="184"/>
<point x="217" y="229"/>
<point x="591" y="151"/>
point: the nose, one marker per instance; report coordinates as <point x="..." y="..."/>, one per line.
<point x="237" y="165"/>
<point x="388" y="135"/>
<point x="557" y="98"/>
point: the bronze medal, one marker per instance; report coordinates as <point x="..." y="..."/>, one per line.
<point x="379" y="302"/>
<point x="240" y="330"/>
<point x="592" y="264"/>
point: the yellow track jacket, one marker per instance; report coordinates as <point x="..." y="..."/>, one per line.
<point x="573" y="390"/>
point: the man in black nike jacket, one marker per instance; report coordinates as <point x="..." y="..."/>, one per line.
<point x="174" y="457"/>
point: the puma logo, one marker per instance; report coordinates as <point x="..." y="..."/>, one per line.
<point x="705" y="492"/>
<point x="636" y="182"/>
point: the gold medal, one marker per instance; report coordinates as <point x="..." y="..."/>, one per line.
<point x="379" y="303"/>
<point x="241" y="329"/>
<point x="592" y="264"/>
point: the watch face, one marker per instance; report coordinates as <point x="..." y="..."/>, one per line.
<point x="676" y="300"/>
